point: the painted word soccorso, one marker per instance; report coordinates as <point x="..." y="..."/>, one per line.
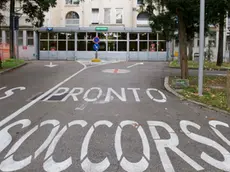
<point x="49" y="145"/>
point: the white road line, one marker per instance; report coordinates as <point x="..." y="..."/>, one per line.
<point x="27" y="106"/>
<point x="135" y="65"/>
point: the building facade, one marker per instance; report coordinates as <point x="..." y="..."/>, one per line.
<point x="70" y="27"/>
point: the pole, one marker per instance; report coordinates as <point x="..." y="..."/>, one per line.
<point x="96" y="55"/>
<point x="12" y="8"/>
<point x="201" y="57"/>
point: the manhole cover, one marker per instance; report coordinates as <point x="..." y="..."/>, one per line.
<point x="116" y="71"/>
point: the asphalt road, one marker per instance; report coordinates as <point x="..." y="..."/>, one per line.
<point x="112" y="117"/>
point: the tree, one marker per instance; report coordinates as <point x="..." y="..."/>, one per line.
<point x="34" y="9"/>
<point x="166" y="24"/>
<point x="216" y="14"/>
<point x="187" y="12"/>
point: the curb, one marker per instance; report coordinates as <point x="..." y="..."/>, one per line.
<point x="169" y="89"/>
<point x="207" y="69"/>
<point x="11" y="69"/>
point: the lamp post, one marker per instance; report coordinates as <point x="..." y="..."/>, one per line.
<point x="201" y="55"/>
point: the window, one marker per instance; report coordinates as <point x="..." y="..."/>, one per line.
<point x="81" y="35"/>
<point x="102" y="46"/>
<point x="72" y="19"/>
<point x="95" y="16"/>
<point x="112" y="46"/>
<point x="133" y="46"/>
<point x="140" y="2"/>
<point x="119" y="15"/>
<point x="20" y="37"/>
<point x="122" y="46"/>
<point x="143" y="46"/>
<point x="75" y="2"/>
<point x="161" y="46"/>
<point x="30" y="38"/>
<point x="143" y="36"/>
<point x="122" y="36"/>
<point x="107" y="15"/>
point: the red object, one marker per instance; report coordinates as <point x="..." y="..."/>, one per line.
<point x="24" y="47"/>
<point x="53" y="49"/>
<point x="115" y="70"/>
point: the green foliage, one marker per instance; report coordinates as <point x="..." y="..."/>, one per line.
<point x="207" y="65"/>
<point x="33" y="9"/>
<point x="214" y="91"/>
<point x="10" y="63"/>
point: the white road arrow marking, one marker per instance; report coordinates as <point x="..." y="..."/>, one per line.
<point x="51" y="65"/>
<point x="135" y="65"/>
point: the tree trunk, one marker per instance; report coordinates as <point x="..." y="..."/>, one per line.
<point x="190" y="49"/>
<point x="221" y="42"/>
<point x="183" y="46"/>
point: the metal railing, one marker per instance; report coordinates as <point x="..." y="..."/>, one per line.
<point x="72" y="22"/>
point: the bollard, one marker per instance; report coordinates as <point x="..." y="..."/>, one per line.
<point x="228" y="89"/>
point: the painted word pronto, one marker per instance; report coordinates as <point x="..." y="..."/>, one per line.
<point x="95" y="94"/>
<point x="49" y="145"/>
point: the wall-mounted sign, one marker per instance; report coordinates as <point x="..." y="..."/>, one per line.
<point x="101" y="28"/>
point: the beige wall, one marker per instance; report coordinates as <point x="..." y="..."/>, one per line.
<point x="56" y="16"/>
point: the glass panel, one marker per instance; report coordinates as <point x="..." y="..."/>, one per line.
<point x="162" y="46"/>
<point x="81" y="35"/>
<point x="112" y="46"/>
<point x="91" y="35"/>
<point x="143" y="46"/>
<point x="62" y="36"/>
<point x="161" y="36"/>
<point x="53" y="35"/>
<point x="90" y="46"/>
<point x="122" y="36"/>
<point x="20" y="42"/>
<point x="44" y="45"/>
<point x="81" y="45"/>
<point x="20" y="33"/>
<point x="102" y="46"/>
<point x="71" y="36"/>
<point x="30" y="34"/>
<point x="133" y="36"/>
<point x="133" y="46"/>
<point x="43" y="35"/>
<point x="152" y="46"/>
<point x="53" y="45"/>
<point x="122" y="46"/>
<point x="119" y="15"/>
<point x="112" y="36"/>
<point x="61" y="45"/>
<point x="102" y="35"/>
<point x="143" y="36"/>
<point x="152" y="36"/>
<point x="30" y="42"/>
<point x="71" y="46"/>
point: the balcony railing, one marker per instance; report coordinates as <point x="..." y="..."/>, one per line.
<point x="142" y="22"/>
<point x="72" y="22"/>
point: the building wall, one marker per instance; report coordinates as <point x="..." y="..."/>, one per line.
<point x="56" y="16"/>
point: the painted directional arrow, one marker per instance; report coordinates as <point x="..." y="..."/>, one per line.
<point x="135" y="65"/>
<point x="51" y="65"/>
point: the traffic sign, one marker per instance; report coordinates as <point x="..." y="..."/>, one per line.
<point x="96" y="40"/>
<point x="96" y="47"/>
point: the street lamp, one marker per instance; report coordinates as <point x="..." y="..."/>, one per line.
<point x="201" y="55"/>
